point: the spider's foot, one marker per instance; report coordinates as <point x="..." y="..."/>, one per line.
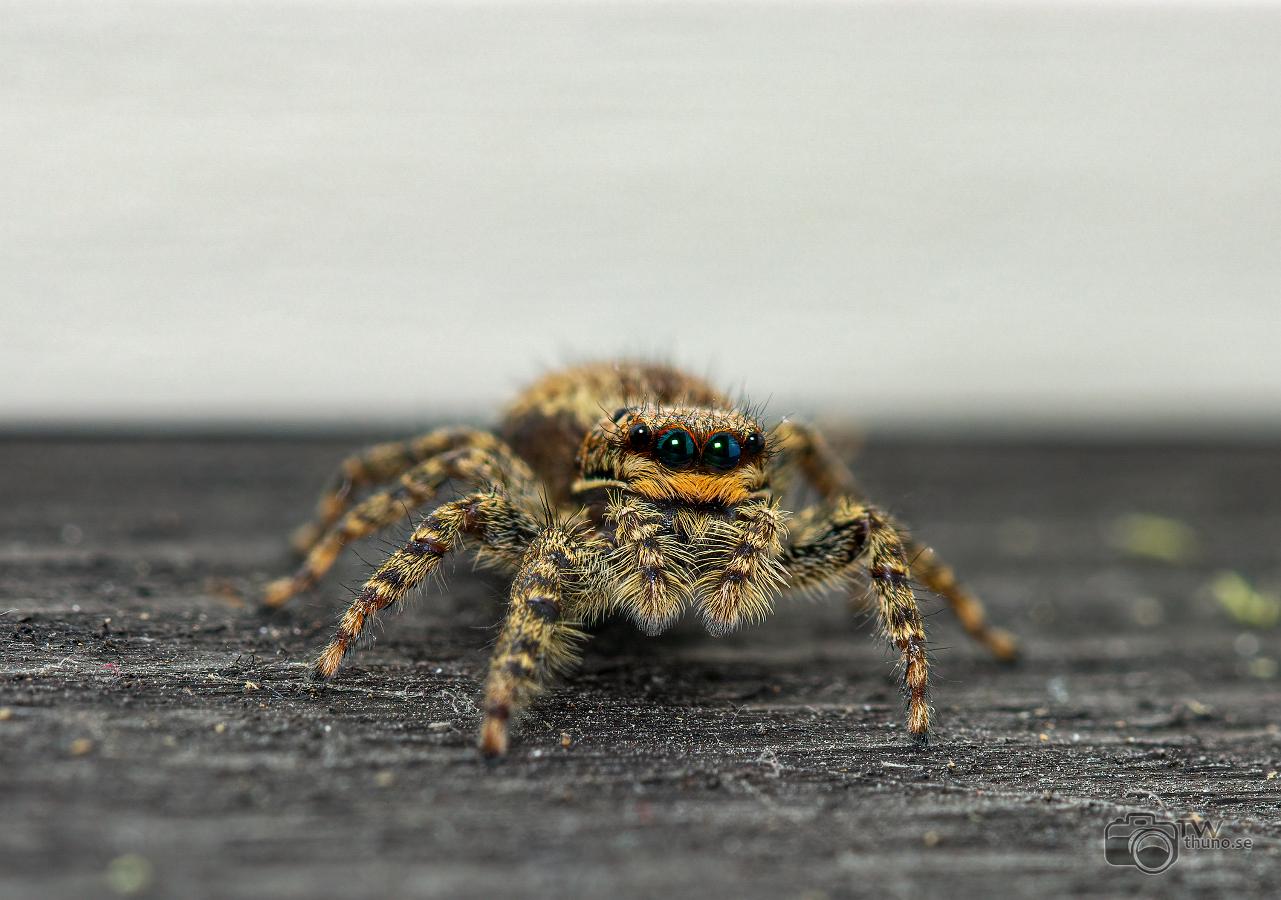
<point x="918" y="721"/>
<point x="304" y="538"/>
<point x="493" y="734"/>
<point x="1003" y="645"/>
<point x="280" y="592"/>
<point x="327" y="663"/>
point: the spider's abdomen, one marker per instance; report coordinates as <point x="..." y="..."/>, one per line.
<point x="548" y="421"/>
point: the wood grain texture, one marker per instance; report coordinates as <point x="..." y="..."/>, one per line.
<point x="146" y="713"/>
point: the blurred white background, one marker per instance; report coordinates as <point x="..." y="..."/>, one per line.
<point x="1026" y="215"/>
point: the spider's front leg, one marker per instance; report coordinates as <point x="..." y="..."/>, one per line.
<point x="831" y="546"/>
<point x="505" y="528"/>
<point x="540" y="635"/>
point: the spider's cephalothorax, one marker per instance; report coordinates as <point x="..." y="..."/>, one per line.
<point x="625" y="488"/>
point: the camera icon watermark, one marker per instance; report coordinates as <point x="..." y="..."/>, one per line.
<point x="1142" y="840"/>
<point x="1152" y="844"/>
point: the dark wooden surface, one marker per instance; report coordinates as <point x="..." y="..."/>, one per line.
<point x="156" y="737"/>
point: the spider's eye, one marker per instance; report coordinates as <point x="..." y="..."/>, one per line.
<point x="722" y="451"/>
<point x="619" y="413"/>
<point x="638" y="436"/>
<point x="754" y="444"/>
<point x="675" y="449"/>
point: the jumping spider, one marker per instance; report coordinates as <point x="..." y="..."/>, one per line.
<point x="630" y="488"/>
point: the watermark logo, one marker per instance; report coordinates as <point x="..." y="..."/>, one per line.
<point x="1152" y="844"/>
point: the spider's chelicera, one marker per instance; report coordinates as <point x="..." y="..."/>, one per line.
<point x="669" y="502"/>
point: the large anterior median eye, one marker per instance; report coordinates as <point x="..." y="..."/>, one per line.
<point x="675" y="448"/>
<point x="722" y="451"/>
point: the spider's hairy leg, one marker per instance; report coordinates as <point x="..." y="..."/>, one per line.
<point x="540" y="635"/>
<point x="650" y="569"/>
<point x="939" y="578"/>
<point x="824" y="469"/>
<point x="853" y="531"/>
<point x="807" y="449"/>
<point x="742" y="574"/>
<point x="504" y="528"/>
<point x="475" y="465"/>
<point x="378" y="465"/>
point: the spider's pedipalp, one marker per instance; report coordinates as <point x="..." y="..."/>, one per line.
<point x="741" y="569"/>
<point x="488" y="515"/>
<point x="650" y="569"/>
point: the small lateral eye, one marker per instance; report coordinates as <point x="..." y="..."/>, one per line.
<point x="754" y="443"/>
<point x="619" y="413"/>
<point x="675" y="448"/>
<point x="722" y="451"/>
<point x="638" y="436"/>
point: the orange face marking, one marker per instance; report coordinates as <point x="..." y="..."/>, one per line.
<point x="693" y="487"/>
